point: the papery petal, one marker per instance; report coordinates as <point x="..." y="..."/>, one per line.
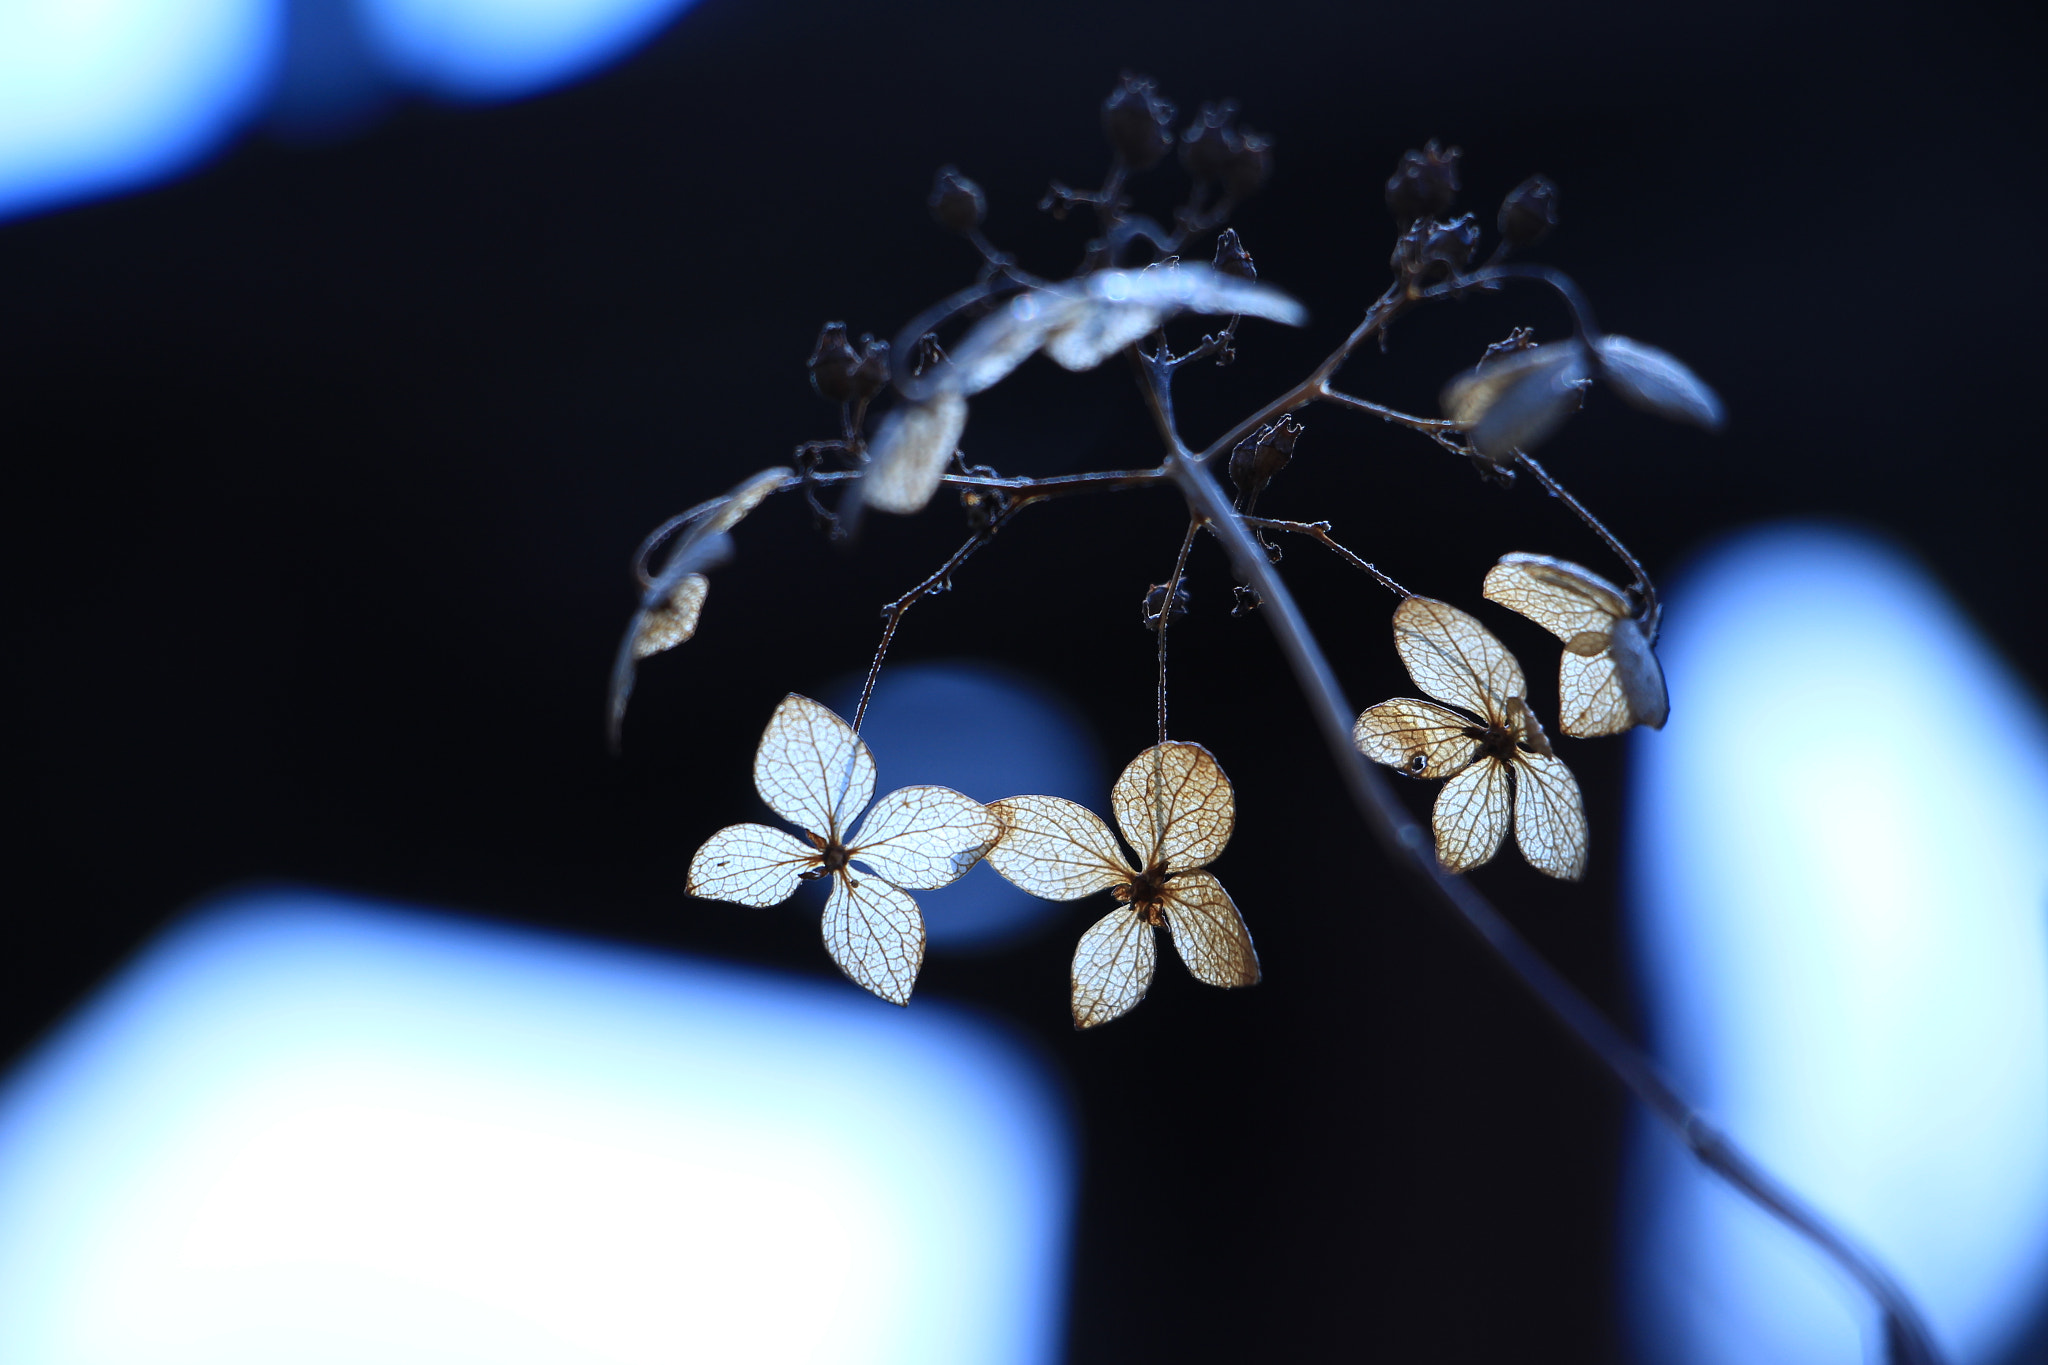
<point x="1564" y="598"/>
<point x="924" y="837"/>
<point x="876" y="935"/>
<point x="1515" y="401"/>
<point x="910" y="452"/>
<point x="1471" y="815"/>
<point x="1113" y="965"/>
<point x="1419" y="738"/>
<point x="812" y="769"/>
<point x="671" y="621"/>
<point x="1007" y="337"/>
<point x="750" y="865"/>
<point x="1208" y="932"/>
<point x="1055" y="848"/>
<point x="1174" y="806"/>
<point x="1455" y="659"/>
<point x="1550" y="819"/>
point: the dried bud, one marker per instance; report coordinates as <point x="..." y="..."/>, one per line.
<point x="1424" y="183"/>
<point x="928" y="356"/>
<point x="1260" y="456"/>
<point x="1452" y="243"/>
<point x="1248" y="166"/>
<point x="1155" y="602"/>
<point x="1245" y="600"/>
<point x="833" y="364"/>
<point x="1232" y="258"/>
<point x="1210" y="144"/>
<point x="957" y="202"/>
<point x="873" y="375"/>
<point x="1137" y="122"/>
<point x="1528" y="213"/>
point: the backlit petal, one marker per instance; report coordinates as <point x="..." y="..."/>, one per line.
<point x="1208" y="931"/>
<point x="1174" y="806"/>
<point x="1055" y="849"/>
<point x="924" y="837"/>
<point x="1471" y="815"/>
<point x="1455" y="659"/>
<point x="812" y="769"/>
<point x="876" y="935"/>
<point x="1113" y="965"/>
<point x="1419" y="738"/>
<point x="1550" y="820"/>
<point x="750" y="865"/>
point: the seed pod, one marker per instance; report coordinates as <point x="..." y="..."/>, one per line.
<point x="1260" y="456"/>
<point x="1209" y="144"/>
<point x="832" y="364"/>
<point x="957" y="202"/>
<point x="1528" y="213"/>
<point x="1137" y="122"/>
<point x="873" y="375"/>
<point x="1246" y="169"/>
<point x="1424" y="183"/>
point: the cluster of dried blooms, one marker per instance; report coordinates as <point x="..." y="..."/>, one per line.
<point x="1477" y="733"/>
<point x="904" y="407"/>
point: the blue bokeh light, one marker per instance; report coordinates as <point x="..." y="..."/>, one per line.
<point x="492" y="49"/>
<point x="104" y="95"/>
<point x="989" y="734"/>
<point x="310" y="1130"/>
<point x="1840" y="887"/>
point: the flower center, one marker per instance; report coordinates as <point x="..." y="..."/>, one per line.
<point x="1144" y="893"/>
<point x="832" y="856"/>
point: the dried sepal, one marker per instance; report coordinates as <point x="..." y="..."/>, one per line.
<point x="668" y="624"/>
<point x="1657" y="381"/>
<point x="1515" y="400"/>
<point x="672" y="602"/>
<point x="1175" y="807"/>
<point x="816" y="773"/>
<point x="1608" y="679"/>
<point x="909" y="454"/>
<point x="1009" y="336"/>
<point x="1497" y="760"/>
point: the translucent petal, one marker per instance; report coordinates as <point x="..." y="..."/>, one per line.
<point x="1099" y="331"/>
<point x="750" y="865"/>
<point x="1558" y="595"/>
<point x="1174" y="806"/>
<point x="1113" y="965"/>
<point x="1471" y="815"/>
<point x="910" y="452"/>
<point x="875" y="934"/>
<point x="1056" y="849"/>
<point x="1420" y="738"/>
<point x="743" y="499"/>
<point x="1620" y="687"/>
<point x="924" y="837"/>
<point x="1455" y="659"/>
<point x="1550" y="820"/>
<point x="672" y="621"/>
<point x="1515" y="401"/>
<point x="1192" y="288"/>
<point x="1209" y="932"/>
<point x="812" y="769"/>
<point x="1006" y="338"/>
<point x="1657" y="381"/>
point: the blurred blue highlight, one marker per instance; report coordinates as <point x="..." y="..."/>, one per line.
<point x="99" y="96"/>
<point x="990" y="735"/>
<point x="1838" y="864"/>
<point x="312" y="1130"/>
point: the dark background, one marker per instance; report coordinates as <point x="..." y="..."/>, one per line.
<point x="328" y="460"/>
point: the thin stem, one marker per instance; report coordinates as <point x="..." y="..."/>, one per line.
<point x="1319" y="531"/>
<point x="1344" y="400"/>
<point x="1180" y="567"/>
<point x="1906" y="1332"/>
<point x="1644" y="586"/>
<point x="938" y="581"/>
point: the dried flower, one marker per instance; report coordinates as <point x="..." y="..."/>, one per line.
<point x="1609" y="679"/>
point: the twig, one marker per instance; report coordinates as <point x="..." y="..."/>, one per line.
<point x="1166" y="605"/>
<point x="1319" y="531"/>
<point x="1644" y="586"/>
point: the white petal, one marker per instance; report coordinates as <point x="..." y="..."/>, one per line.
<point x="1006" y="338"/>
<point x="875" y="934"/>
<point x="1191" y="288"/>
<point x="1113" y="965"/>
<point x="743" y="499"/>
<point x="1099" y="331"/>
<point x="910" y="453"/>
<point x="926" y="837"/>
<point x="1657" y="381"/>
<point x="1208" y="931"/>
<point x="1418" y="738"/>
<point x="1550" y="820"/>
<point x="1455" y="659"/>
<point x="1055" y="849"/>
<point x="1174" y="806"/>
<point x="1471" y="815"/>
<point x="812" y="769"/>
<point x="750" y="865"/>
